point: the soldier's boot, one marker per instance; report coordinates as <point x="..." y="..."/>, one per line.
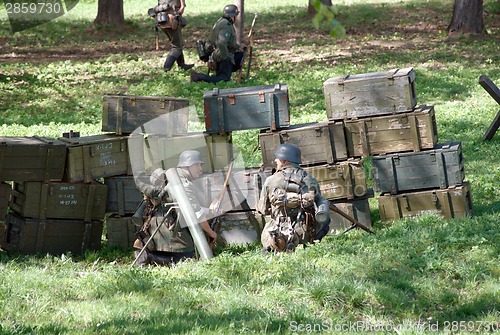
<point x="182" y="64"/>
<point x="169" y="62"/>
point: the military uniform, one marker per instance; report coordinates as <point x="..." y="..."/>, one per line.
<point x="226" y="54"/>
<point x="289" y="196"/>
<point x="174" y="35"/>
<point x="173" y="241"/>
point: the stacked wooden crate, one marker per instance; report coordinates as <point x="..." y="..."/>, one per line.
<point x="413" y="172"/>
<point x="263" y="107"/>
<point x="157" y="133"/>
<point x="47" y="213"/>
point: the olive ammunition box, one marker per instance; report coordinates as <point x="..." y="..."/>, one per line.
<point x="123" y="196"/>
<point x="31" y="159"/>
<point x="5" y="193"/>
<point x="52" y="236"/>
<point x="320" y="142"/>
<point x="257" y="107"/>
<point x="96" y="156"/>
<point x="58" y="200"/>
<point x="122" y="114"/>
<point x="343" y="180"/>
<point x="412" y="131"/>
<point x="451" y="202"/>
<point x="370" y="94"/>
<point x="164" y="151"/>
<point x="440" y="167"/>
<point x="357" y="208"/>
<point x="121" y="231"/>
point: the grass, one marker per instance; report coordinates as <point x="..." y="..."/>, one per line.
<point x="415" y="273"/>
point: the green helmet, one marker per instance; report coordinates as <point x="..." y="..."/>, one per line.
<point x="230" y="10"/>
<point x="189" y="157"/>
<point x="288" y="152"/>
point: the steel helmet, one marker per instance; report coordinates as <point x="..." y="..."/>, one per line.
<point x="231" y="10"/>
<point x="288" y="152"/>
<point x="158" y="177"/>
<point x="189" y="157"/>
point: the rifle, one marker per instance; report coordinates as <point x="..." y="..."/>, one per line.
<point x="250" y="47"/>
<point x="355" y="223"/>
<point x="218" y="205"/>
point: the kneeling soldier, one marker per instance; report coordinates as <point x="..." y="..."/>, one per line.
<point x="291" y="196"/>
<point x="173" y="241"/>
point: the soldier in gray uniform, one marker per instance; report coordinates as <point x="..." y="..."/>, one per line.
<point x="290" y="196"/>
<point x="169" y="19"/>
<point x="173" y="241"/>
<point x="226" y="54"/>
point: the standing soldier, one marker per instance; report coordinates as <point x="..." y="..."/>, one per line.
<point x="173" y="241"/>
<point x="226" y="55"/>
<point x="292" y="197"/>
<point x="168" y="15"/>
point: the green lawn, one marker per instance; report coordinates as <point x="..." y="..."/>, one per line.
<point x="414" y="276"/>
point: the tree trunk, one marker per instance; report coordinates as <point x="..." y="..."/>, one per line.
<point x="467" y="18"/>
<point x="239" y="22"/>
<point x="310" y="7"/>
<point x="110" y="12"/>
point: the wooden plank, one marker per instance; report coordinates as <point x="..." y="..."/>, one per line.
<point x="492" y="128"/>
<point x="493" y="90"/>
<point x="490" y="87"/>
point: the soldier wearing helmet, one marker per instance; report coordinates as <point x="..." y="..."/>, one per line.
<point x="290" y="196"/>
<point x="173" y="241"/>
<point x="226" y="55"/>
<point x="168" y="16"/>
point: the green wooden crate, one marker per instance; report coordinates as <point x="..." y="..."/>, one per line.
<point x="123" y="195"/>
<point x="440" y="167"/>
<point x="5" y="193"/>
<point x="320" y="142"/>
<point x="163" y="151"/>
<point x="122" y="114"/>
<point x="31" y="158"/>
<point x="60" y="200"/>
<point x="255" y="107"/>
<point x="357" y="208"/>
<point x="343" y="180"/>
<point x="52" y="236"/>
<point x="370" y="94"/>
<point x="96" y="156"/>
<point x="412" y="131"/>
<point x="121" y="231"/>
<point x="451" y="202"/>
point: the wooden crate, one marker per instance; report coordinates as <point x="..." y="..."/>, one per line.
<point x="96" y="156"/>
<point x="370" y="94"/>
<point x="122" y="114"/>
<point x="320" y="142"/>
<point x="121" y="231"/>
<point x="5" y="196"/>
<point x="256" y="107"/>
<point x="123" y="196"/>
<point x="343" y="180"/>
<point x="451" y="202"/>
<point x="163" y="151"/>
<point x="58" y="200"/>
<point x="413" y="131"/>
<point x="31" y="158"/>
<point x="440" y="167"/>
<point x="52" y="236"/>
<point x="357" y="208"/>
